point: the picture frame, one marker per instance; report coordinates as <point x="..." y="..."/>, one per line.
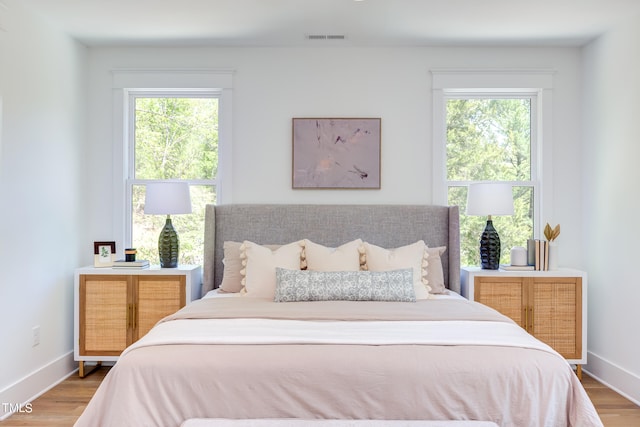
<point x="336" y="153"/>
<point x="104" y="254"/>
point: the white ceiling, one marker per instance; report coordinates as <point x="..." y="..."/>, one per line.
<point x="367" y="22"/>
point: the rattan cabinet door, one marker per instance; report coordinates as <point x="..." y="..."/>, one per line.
<point x="556" y="304"/>
<point x="505" y="294"/>
<point x="105" y="314"/>
<point x="157" y="297"/>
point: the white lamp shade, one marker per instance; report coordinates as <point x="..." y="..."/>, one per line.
<point x="167" y="198"/>
<point x="490" y="198"/>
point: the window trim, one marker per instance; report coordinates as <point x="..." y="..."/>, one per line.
<point x="449" y="82"/>
<point x="175" y="81"/>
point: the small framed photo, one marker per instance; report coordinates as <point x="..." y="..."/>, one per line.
<point x="104" y="254"/>
<point x="336" y="153"/>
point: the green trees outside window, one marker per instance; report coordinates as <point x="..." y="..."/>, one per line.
<point x="490" y="139"/>
<point x="174" y="138"/>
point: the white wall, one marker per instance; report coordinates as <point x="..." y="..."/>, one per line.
<point x="272" y="85"/>
<point x="41" y="179"/>
<point x="611" y="234"/>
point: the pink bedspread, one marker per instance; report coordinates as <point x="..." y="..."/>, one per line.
<point x="163" y="385"/>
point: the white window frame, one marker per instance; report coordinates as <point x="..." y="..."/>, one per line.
<point x="536" y="84"/>
<point x="133" y="82"/>
<point x="131" y="180"/>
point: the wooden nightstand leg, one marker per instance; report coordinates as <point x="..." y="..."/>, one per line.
<point x="579" y="372"/>
<point x="81" y="371"/>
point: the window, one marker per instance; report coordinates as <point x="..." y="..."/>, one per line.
<point x="493" y="125"/>
<point x="173" y="136"/>
<point x="491" y="137"/>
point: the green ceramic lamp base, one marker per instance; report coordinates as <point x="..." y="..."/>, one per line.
<point x="168" y="246"/>
<point x="490" y="248"/>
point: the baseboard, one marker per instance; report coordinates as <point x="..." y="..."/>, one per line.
<point x="613" y="376"/>
<point x="19" y="395"/>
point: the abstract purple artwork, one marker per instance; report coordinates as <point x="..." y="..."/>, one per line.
<point x="336" y="153"/>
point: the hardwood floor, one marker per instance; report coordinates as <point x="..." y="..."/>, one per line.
<point x="63" y="404"/>
<point x="614" y="410"/>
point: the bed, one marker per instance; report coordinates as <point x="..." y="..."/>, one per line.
<point x="337" y="337"/>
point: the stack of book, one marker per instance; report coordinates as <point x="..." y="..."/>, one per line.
<point x="541" y="262"/>
<point x="143" y="263"/>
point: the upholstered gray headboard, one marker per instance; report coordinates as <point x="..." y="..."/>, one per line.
<point x="388" y="226"/>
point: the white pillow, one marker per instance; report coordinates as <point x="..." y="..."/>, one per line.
<point x="435" y="272"/>
<point x="412" y="256"/>
<point x="343" y="258"/>
<point x="231" y="277"/>
<point x="259" y="266"/>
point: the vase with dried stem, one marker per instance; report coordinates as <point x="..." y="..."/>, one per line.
<point x="551" y="234"/>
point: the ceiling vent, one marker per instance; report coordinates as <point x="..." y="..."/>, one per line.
<point x="325" y="37"/>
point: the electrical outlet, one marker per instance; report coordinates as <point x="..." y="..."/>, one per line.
<point x="36" y="335"/>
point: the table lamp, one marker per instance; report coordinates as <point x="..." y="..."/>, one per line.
<point x="490" y="198"/>
<point x="167" y="198"/>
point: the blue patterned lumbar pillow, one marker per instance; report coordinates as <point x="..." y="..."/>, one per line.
<point x="306" y="285"/>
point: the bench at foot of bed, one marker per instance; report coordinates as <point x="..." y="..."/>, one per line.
<point x="218" y="422"/>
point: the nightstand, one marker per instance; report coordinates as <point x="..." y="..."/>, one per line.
<point x="113" y="308"/>
<point x="550" y="305"/>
